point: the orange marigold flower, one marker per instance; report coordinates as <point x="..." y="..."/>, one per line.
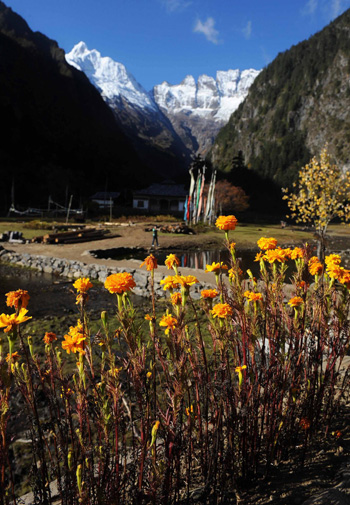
<point x="148" y="317"/>
<point x="296" y="301"/>
<point x="176" y="298"/>
<point x="259" y="256"/>
<point x="74" y="340"/>
<point x="332" y="259"/>
<point x="226" y="223"/>
<point x="280" y="255"/>
<point x="315" y="266"/>
<point x="82" y="285"/>
<point x="253" y="297"/>
<point x="120" y="283"/>
<point x="304" y="423"/>
<point x="215" y="267"/>
<point x="186" y="280"/>
<point x="297" y="253"/>
<point x="172" y="260"/>
<point x="170" y="282"/>
<point x="49" y="337"/>
<point x="267" y="243"/>
<point x="209" y="293"/>
<point x="150" y="262"/>
<point x="13" y="357"/>
<point x="9" y="322"/>
<point x="19" y="298"/>
<point x="345" y="278"/>
<point x="221" y="310"/>
<point x="169" y="322"/>
<point x="335" y="271"/>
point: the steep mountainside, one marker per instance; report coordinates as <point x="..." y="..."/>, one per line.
<point x="182" y="118"/>
<point x="134" y="108"/>
<point x="199" y="110"/>
<point x="59" y="135"/>
<point x="297" y="104"/>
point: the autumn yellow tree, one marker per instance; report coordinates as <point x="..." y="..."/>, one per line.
<point x="321" y="194"/>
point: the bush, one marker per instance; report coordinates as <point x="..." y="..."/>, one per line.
<point x="152" y="416"/>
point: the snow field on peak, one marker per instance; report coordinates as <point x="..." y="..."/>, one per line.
<point x="110" y="77"/>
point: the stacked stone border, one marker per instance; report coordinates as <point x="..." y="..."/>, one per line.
<point x="73" y="269"/>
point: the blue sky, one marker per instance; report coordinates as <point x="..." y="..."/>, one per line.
<point x="160" y="40"/>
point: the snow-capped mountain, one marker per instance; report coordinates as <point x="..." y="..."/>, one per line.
<point x="191" y="111"/>
<point x="204" y="107"/>
<point x="110" y="77"/>
<point x="134" y="108"/>
<point x="216" y="98"/>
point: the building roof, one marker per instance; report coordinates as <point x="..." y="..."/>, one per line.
<point x="166" y="188"/>
<point x="105" y="195"/>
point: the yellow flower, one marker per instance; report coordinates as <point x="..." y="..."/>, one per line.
<point x="186" y="280"/>
<point x="253" y="297"/>
<point x="209" y="293"/>
<point x="119" y="283"/>
<point x="332" y="259"/>
<point x="82" y="285"/>
<point x="232" y="273"/>
<point x="176" y="299"/>
<point x="239" y="369"/>
<point x="17" y="299"/>
<point x="49" y="337"/>
<point x="169" y="322"/>
<point x="215" y="267"/>
<point x="280" y="255"/>
<point x="170" y="282"/>
<point x="172" y="260"/>
<point x="267" y="243"/>
<point x="150" y="262"/>
<point x="259" y="256"/>
<point x="221" y="310"/>
<point x="74" y="340"/>
<point x="9" y="322"/>
<point x="226" y="223"/>
<point x="297" y="253"/>
<point x="296" y="301"/>
<point x="315" y="266"/>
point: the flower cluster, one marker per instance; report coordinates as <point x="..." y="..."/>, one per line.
<point x="74" y="341"/>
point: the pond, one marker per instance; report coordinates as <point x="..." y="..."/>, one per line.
<point x="188" y="258"/>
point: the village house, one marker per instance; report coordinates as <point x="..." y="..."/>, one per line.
<point x="161" y="197"/>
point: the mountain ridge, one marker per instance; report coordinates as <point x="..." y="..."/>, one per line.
<point x="297" y="104"/>
<point x="208" y="100"/>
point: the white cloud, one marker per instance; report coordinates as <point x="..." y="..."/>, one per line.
<point x="310" y="7"/>
<point x="175" y="5"/>
<point x="329" y="9"/>
<point x="208" y="30"/>
<point x="247" y="30"/>
<point x="336" y="8"/>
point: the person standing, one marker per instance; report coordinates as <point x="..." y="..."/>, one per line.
<point x="155" y="236"/>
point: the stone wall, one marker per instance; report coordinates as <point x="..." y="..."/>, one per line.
<point x="75" y="269"/>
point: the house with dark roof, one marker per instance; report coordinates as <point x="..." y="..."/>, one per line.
<point x="166" y="197"/>
<point x="104" y="198"/>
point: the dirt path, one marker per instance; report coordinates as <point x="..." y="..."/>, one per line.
<point x="131" y="236"/>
